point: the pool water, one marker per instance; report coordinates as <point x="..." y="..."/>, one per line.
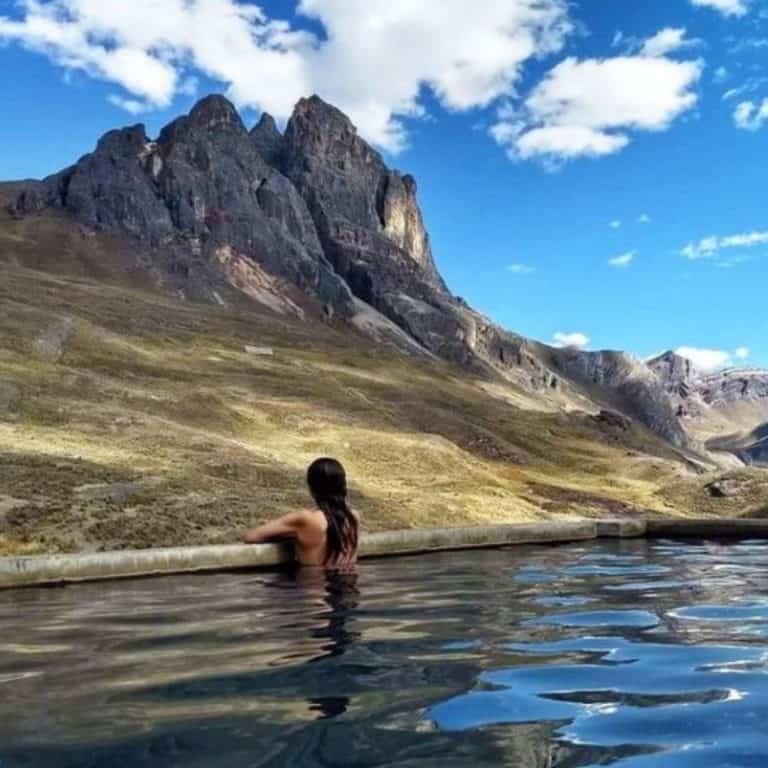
<point x="631" y="654"/>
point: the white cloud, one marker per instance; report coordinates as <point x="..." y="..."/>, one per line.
<point x="575" y="340"/>
<point x="709" y="247"/>
<point x="520" y="269"/>
<point x="624" y="260"/>
<point x="615" y="224"/>
<point x="590" y="108"/>
<point x="751" y="116"/>
<point x="709" y="360"/>
<point x="568" y="141"/>
<point x="133" y="106"/>
<point x="373" y="60"/>
<point x="746" y="240"/>
<point x="706" y="360"/>
<point x="644" y="218"/>
<point x="721" y="75"/>
<point x="666" y="41"/>
<point x="726" y="7"/>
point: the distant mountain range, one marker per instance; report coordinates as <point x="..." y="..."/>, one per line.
<point x="312" y="224"/>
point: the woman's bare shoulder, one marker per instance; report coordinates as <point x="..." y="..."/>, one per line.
<point x="313" y="518"/>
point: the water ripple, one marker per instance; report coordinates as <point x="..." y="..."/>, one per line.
<point x="632" y="654"/>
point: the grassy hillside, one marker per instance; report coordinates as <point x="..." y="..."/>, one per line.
<point x="132" y="419"/>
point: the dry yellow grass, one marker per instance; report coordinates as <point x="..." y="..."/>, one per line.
<point x="188" y="438"/>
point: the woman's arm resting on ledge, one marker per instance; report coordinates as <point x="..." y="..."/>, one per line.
<point x="284" y="528"/>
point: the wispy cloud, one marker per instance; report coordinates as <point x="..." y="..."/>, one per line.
<point x="575" y="340"/>
<point x="624" y="260"/>
<point x="520" y="269"/>
<point x="615" y="224"/>
<point x="747" y="88"/>
<point x="644" y="218"/>
<point x="667" y="41"/>
<point x="751" y="116"/>
<point x="744" y="44"/>
<point x="710" y="247"/>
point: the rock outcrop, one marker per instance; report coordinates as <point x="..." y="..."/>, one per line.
<point x="628" y="385"/>
<point x="726" y="407"/>
<point x="677" y="374"/>
<point x="734" y="386"/>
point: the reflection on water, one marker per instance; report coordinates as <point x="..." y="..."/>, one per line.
<point x="629" y="654"/>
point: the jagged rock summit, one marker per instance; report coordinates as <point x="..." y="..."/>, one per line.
<point x="312" y="223"/>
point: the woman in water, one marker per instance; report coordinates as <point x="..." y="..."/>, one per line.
<point x="325" y="536"/>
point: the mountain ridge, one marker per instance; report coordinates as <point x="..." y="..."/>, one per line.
<point x="312" y="223"/>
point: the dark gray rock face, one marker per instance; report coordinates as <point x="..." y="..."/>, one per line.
<point x="268" y="140"/>
<point x="203" y="193"/>
<point x="366" y="214"/>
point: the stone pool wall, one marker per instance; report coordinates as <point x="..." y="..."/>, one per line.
<point x="63" y="569"/>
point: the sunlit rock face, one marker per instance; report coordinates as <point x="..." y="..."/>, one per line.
<point x="402" y="220"/>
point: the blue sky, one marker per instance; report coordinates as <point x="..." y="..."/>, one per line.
<point x="590" y="171"/>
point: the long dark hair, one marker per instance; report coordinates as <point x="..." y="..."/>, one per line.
<point x="327" y="483"/>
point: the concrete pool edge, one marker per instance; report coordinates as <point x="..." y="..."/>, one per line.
<point x="42" y="570"/>
<point x="45" y="570"/>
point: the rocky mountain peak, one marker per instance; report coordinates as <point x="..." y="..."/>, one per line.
<point x="314" y="115"/>
<point x="212" y="117"/>
<point x="268" y="140"/>
<point x="319" y="132"/>
<point x="126" y="142"/>
<point x="216" y="112"/>
<point x="677" y="373"/>
<point x="364" y="211"/>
